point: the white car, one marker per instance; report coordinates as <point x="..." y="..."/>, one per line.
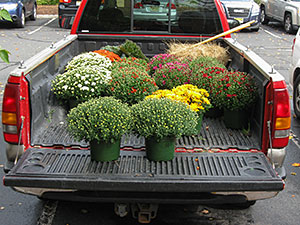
<point x="295" y="74"/>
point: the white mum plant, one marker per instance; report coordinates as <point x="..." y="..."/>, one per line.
<point x="81" y="83"/>
<point x="89" y="59"/>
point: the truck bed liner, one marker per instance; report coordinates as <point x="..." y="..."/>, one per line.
<point x="213" y="135"/>
<point x="187" y="172"/>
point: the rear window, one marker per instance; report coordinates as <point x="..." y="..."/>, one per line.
<point x="151" y="16"/>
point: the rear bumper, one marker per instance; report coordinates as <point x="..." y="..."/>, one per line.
<point x="146" y="197"/>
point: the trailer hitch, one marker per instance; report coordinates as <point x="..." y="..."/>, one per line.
<point x="144" y="212"/>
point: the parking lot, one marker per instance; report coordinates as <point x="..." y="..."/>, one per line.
<point x="270" y="42"/>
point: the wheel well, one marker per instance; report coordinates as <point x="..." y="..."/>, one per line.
<point x="286" y="13"/>
<point x="296" y="74"/>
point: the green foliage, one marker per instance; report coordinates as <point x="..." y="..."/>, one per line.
<point x="81" y="83"/>
<point x="47" y="2"/>
<point x="162" y="117"/>
<point x="129" y="48"/>
<point x="103" y="119"/>
<point x="200" y="62"/>
<point x="258" y="1"/>
<point x="4" y="55"/>
<point x="4" y="15"/>
<point x="131" y="84"/>
<point x="235" y="91"/>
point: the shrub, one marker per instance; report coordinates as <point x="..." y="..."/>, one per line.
<point x="81" y="83"/>
<point x="172" y="74"/>
<point x="47" y="2"/>
<point x="163" y="117"/>
<point x="114" y="49"/>
<point x="130" y="49"/>
<point x="103" y="119"/>
<point x="131" y="85"/>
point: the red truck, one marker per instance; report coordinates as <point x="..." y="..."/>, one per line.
<point x="43" y="159"/>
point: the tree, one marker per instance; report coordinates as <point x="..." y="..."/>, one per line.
<point x="4" y="15"/>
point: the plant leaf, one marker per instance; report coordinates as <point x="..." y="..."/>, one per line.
<point x="5" y="15"/>
<point x="4" y="55"/>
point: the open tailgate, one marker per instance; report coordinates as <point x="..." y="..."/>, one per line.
<point x="187" y="172"/>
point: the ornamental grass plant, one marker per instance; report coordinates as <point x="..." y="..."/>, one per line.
<point x="131" y="84"/>
<point x="162" y="117"/>
<point x="235" y="91"/>
<point x="102" y="119"/>
<point x="170" y="75"/>
<point x="81" y="83"/>
<point x="88" y="59"/>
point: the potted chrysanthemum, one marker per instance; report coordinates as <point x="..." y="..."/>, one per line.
<point x="102" y="122"/>
<point x="196" y="98"/>
<point x="161" y="121"/>
<point x="81" y="83"/>
<point x="236" y="92"/>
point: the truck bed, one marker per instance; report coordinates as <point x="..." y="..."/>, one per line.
<point x="213" y="135"/>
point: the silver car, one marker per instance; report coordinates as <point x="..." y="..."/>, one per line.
<point x="242" y="11"/>
<point x="154" y="10"/>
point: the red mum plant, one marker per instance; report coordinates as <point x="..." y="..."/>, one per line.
<point x="172" y="74"/>
<point x="131" y="85"/>
<point x="235" y="91"/>
<point x="204" y="79"/>
<point x="131" y="62"/>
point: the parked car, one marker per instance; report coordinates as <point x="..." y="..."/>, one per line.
<point x="144" y="10"/>
<point x="19" y="10"/>
<point x="66" y="12"/>
<point x="242" y="11"/>
<point x="286" y="12"/>
<point x="295" y="74"/>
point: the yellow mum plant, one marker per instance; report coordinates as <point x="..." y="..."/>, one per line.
<point x="196" y="98"/>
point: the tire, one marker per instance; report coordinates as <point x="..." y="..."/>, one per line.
<point x="288" y="25"/>
<point x="255" y="29"/>
<point x="234" y="206"/>
<point x="263" y="18"/>
<point x="296" y="97"/>
<point x="21" y="22"/>
<point x="33" y="15"/>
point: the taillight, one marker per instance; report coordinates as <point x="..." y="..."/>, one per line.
<point x="138" y="5"/>
<point x="11" y="110"/>
<point x="65" y="1"/>
<point x="282" y="115"/>
<point x="172" y="6"/>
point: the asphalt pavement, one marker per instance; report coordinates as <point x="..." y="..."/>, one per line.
<point x="271" y="43"/>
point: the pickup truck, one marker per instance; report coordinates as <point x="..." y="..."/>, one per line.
<point x="235" y="167"/>
<point x="284" y="11"/>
